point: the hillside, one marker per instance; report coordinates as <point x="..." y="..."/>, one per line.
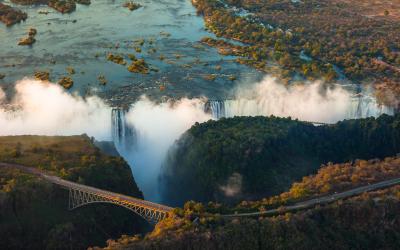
<point x="367" y="221"/>
<point x="34" y="213"/>
<point x="254" y="157"/>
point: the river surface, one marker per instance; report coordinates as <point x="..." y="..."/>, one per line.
<point x="83" y="39"/>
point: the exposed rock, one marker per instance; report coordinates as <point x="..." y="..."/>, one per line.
<point x="32" y="32"/>
<point x="116" y="59"/>
<point x="62" y="6"/>
<point x="10" y="16"/>
<point x="139" y="66"/>
<point x="27" y="41"/>
<point x="30" y="39"/>
<point x="102" y="80"/>
<point x="42" y="75"/>
<point x="66" y="82"/>
<point x="132" y="6"/>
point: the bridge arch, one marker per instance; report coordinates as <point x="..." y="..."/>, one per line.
<point x="79" y="198"/>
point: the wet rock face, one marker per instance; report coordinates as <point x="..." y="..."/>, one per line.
<point x="10" y="16"/>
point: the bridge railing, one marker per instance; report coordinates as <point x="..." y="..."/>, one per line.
<point x="69" y="184"/>
<point x="149" y="210"/>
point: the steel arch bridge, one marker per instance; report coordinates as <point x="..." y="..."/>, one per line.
<point x="81" y="195"/>
<point x="151" y="213"/>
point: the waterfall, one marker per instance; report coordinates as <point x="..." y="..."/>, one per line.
<point x="366" y="106"/>
<point x="216" y="108"/>
<point x="123" y="133"/>
<point x="359" y="107"/>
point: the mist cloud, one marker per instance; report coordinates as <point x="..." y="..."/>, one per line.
<point x="313" y="101"/>
<point x="157" y="127"/>
<point x="46" y="109"/>
<point x="233" y="186"/>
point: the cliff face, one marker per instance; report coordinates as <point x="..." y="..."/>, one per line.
<point x="34" y="214"/>
<point x="252" y="157"/>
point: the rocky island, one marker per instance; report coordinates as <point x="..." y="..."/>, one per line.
<point x="10" y="16"/>
<point x="30" y="39"/>
<point x="132" y="6"/>
<point x="62" y="6"/>
<point x="66" y="82"/>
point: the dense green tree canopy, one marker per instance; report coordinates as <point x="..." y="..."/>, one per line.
<point x="268" y="153"/>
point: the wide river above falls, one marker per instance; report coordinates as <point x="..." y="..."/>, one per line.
<point x="83" y="39"/>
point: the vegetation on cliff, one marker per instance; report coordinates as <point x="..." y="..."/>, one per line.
<point x="330" y="179"/>
<point x="35" y="213"/>
<point x="257" y="156"/>
<point x="367" y="221"/>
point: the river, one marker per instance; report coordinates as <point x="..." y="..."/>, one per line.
<point x="83" y="39"/>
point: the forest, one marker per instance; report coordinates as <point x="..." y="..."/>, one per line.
<point x="367" y="221"/>
<point x="265" y="155"/>
<point x="34" y="214"/>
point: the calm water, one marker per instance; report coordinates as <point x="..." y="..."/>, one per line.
<point x="74" y="40"/>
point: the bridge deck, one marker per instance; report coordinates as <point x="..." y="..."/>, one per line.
<point x="106" y="194"/>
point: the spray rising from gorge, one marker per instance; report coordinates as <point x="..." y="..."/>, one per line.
<point x="145" y="131"/>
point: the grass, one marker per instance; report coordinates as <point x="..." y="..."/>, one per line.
<point x="34" y="151"/>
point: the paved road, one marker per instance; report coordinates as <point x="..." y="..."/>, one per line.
<point x="322" y="200"/>
<point x="120" y="197"/>
<point x="69" y="184"/>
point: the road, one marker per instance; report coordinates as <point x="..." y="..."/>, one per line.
<point x="147" y="204"/>
<point x="321" y="200"/>
<point x="106" y="194"/>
